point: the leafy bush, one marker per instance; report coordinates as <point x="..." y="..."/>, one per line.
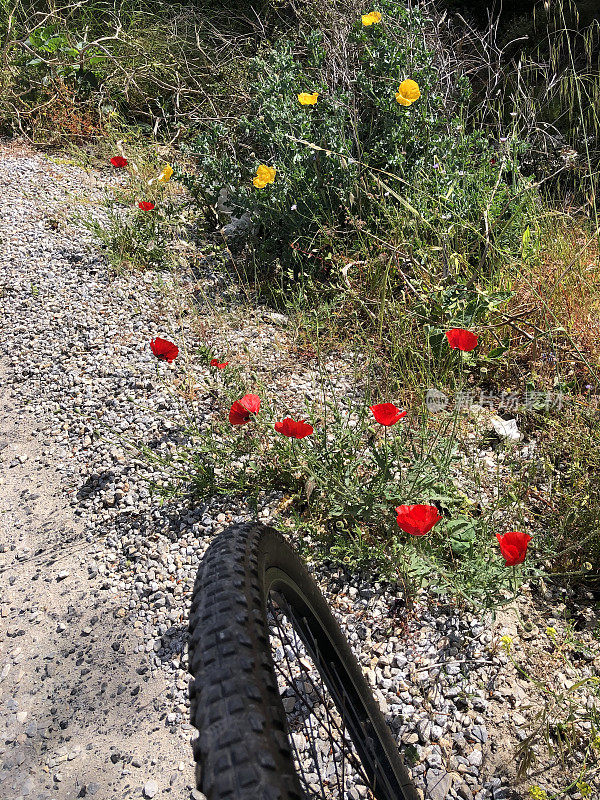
<point x="357" y="159"/>
<point x="78" y="69"/>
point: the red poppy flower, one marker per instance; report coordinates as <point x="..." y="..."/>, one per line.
<point x="293" y="429"/>
<point x="146" y="205"/>
<point x="214" y="362"/>
<point x="164" y="350"/>
<point x="119" y="162"/>
<point x="239" y="413"/>
<point x="513" y="546"/>
<point x="387" y="413"/>
<point x="492" y="161"/>
<point x="460" y="339"/>
<point x="417" y="520"/>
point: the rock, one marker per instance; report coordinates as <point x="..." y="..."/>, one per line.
<point x="150" y="789"/>
<point x="463" y="790"/>
<point x="439" y="783"/>
<point x="424" y="730"/>
<point x="434" y="758"/>
<point x="237" y="230"/>
<point x="479" y="733"/>
<point x="506" y="428"/>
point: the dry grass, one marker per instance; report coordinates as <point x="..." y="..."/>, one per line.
<point x="559" y="291"/>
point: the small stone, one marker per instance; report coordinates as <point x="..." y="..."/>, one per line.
<point x="150" y="789"/>
<point x="438" y="784"/>
<point x="424" y="730"/>
<point x="463" y="790"/>
<point x="479" y="733"/>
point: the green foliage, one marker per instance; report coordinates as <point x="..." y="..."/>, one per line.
<point x="77" y="69"/>
<point x="341" y="486"/>
<point x="566" y="723"/>
<point x="357" y="158"/>
<point x="77" y="62"/>
<point x="132" y="241"/>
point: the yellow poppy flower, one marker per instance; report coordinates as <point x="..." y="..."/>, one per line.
<point x="264" y="175"/>
<point x="164" y="176"/>
<point x="307" y="99"/>
<point x="371" y="19"/>
<point x="408" y="92"/>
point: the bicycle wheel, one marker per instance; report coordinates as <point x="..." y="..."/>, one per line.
<point x="280" y="702"/>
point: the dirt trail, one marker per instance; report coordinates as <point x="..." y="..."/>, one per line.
<point x="81" y="712"/>
<point x="81" y="715"/>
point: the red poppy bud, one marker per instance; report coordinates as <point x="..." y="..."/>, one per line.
<point x="240" y="411"/>
<point x="164" y="350"/>
<point x="460" y="339"/>
<point x="214" y="362"/>
<point x="387" y="413"/>
<point x="119" y="162"/>
<point x="513" y="546"/>
<point x="417" y="520"/>
<point x="293" y="429"/>
<point x="146" y="205"/>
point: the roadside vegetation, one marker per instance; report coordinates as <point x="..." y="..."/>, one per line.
<point x="394" y="175"/>
<point x="382" y="177"/>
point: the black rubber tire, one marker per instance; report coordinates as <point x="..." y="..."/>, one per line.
<point x="243" y="751"/>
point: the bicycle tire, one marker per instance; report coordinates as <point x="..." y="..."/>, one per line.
<point x="243" y="750"/>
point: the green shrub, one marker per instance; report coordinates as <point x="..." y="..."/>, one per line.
<point x="77" y="69"/>
<point x="357" y="159"/>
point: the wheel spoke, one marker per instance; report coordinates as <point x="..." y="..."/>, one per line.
<point x="300" y="669"/>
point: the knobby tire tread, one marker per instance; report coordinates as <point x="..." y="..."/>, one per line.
<point x="242" y="751"/>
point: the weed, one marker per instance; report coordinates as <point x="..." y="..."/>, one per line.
<point x="566" y="721"/>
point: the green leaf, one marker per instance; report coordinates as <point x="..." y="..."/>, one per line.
<point x="462" y="535"/>
<point x="498" y="351"/>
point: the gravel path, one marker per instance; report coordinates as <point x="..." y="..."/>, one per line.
<point x="85" y="711"/>
<point x="97" y="573"/>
